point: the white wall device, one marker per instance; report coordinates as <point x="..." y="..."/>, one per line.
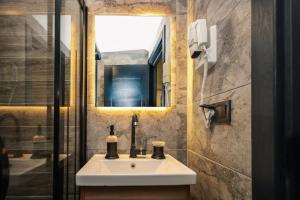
<point x="202" y="40"/>
<point x="197" y="37"/>
<point x="203" y="46"/>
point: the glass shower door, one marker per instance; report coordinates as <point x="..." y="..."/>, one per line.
<point x="71" y="64"/>
<point x="26" y="98"/>
<point x="40" y="77"/>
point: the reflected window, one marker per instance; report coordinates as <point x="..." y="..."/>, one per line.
<point x="126" y="85"/>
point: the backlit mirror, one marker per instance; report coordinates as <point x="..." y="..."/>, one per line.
<point x="132" y="57"/>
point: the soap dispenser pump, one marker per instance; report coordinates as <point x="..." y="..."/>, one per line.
<point x="112" y="145"/>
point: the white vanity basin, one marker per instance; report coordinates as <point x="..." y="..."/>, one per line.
<point x="127" y="171"/>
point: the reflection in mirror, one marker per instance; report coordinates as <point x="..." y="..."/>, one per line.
<point x="132" y="56"/>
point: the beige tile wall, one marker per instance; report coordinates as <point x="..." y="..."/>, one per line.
<point x="168" y="125"/>
<point x="221" y="156"/>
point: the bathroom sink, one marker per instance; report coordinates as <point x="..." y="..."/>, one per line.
<point x="127" y="171"/>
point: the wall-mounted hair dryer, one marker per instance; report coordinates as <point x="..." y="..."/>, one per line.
<point x="197" y="37"/>
<point x="203" y="46"/>
<point x="203" y="41"/>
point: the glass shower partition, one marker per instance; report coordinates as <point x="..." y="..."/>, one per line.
<point x="40" y="77"/>
<point x="71" y="18"/>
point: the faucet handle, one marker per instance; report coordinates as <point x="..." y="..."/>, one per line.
<point x="141" y="153"/>
<point x="142" y="148"/>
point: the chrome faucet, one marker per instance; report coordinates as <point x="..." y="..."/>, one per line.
<point x="134" y="123"/>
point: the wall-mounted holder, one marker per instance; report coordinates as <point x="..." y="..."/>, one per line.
<point x="222" y="111"/>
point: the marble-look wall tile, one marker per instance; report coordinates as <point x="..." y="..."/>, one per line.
<point x="179" y="154"/>
<point x="181" y="59"/>
<point x="28" y="6"/>
<point x="21" y="46"/>
<point x="25" y="116"/>
<point x="13" y="25"/>
<point x="36" y="69"/>
<point x="36" y="7"/>
<point x="233" y="68"/>
<point x="153" y="126"/>
<point x="27" y="68"/>
<point x="221" y="155"/>
<point x="215" y="181"/>
<point x="134" y="7"/>
<point x="181" y="7"/>
<point x="229" y="145"/>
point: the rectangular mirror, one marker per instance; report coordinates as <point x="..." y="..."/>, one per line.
<point x="132" y="57"/>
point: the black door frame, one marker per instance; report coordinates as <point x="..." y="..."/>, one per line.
<point x="57" y="188"/>
<point x="83" y="87"/>
<point x="275" y="99"/>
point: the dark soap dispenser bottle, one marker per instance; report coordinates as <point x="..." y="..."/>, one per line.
<point x="112" y="145"/>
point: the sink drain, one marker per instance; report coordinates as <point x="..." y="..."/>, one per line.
<point x="132" y="165"/>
